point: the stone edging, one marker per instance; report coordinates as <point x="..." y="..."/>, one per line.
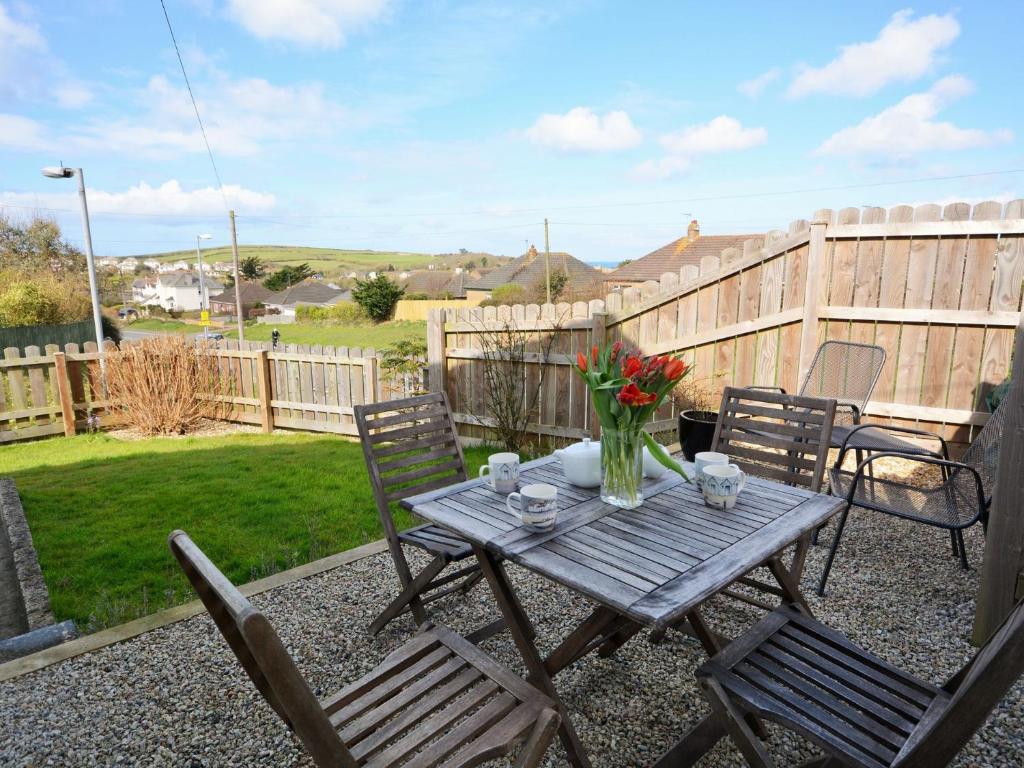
<point x="34" y="594"/>
<point x="131" y="629"/>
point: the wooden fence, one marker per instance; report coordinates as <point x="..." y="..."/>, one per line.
<point x="938" y="288"/>
<point x="310" y="388"/>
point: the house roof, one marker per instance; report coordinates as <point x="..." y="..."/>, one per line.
<point x="437" y="282"/>
<point x="306" y="292"/>
<point x="689" y="249"/>
<point x="252" y="293"/>
<point x="188" y="280"/>
<point x="528" y="270"/>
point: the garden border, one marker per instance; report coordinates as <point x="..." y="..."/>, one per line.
<point x="131" y="629"/>
<point x="34" y="595"/>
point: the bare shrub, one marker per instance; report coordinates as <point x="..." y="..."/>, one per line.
<point x="165" y="385"/>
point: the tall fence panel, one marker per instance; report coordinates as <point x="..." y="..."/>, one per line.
<point x="42" y="335"/>
<point x="939" y="288"/>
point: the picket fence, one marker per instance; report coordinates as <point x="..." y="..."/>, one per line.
<point x="938" y="288"/>
<point x="54" y="391"/>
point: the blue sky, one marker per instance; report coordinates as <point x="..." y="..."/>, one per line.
<point x="432" y="125"/>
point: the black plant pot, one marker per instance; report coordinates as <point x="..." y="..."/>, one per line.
<point x="696" y="431"/>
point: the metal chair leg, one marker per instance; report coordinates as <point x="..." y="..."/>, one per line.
<point x="832" y="551"/>
<point x="952" y="541"/>
<point x="963" y="549"/>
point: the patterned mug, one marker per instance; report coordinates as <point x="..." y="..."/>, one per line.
<point x="538" y="506"/>
<point x="503" y="469"/>
<point x="722" y="484"/>
<point x="706" y="459"/>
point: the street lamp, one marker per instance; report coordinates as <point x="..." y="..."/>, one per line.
<point x="63" y="172"/>
<point x="204" y="312"/>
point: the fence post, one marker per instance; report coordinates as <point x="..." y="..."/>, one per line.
<point x="67" y="403"/>
<point x="812" y="294"/>
<point x="1004" y="544"/>
<point x="263" y="372"/>
<point x="370" y="394"/>
<point x="435" y="350"/>
<point x="597" y="336"/>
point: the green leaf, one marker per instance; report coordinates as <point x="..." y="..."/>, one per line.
<point x="662" y="456"/>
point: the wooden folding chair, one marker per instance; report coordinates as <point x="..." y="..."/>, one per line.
<point x="436" y="701"/>
<point x="862" y="711"/>
<point x="411" y="447"/>
<point x="780" y="437"/>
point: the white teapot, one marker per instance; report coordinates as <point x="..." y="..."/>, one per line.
<point x="581" y="463"/>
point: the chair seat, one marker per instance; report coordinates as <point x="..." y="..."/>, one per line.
<point x="876" y="440"/>
<point x="437" y="541"/>
<point x="437" y="700"/>
<point x="951" y="504"/>
<point x="794" y="670"/>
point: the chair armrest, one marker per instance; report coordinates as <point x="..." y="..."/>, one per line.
<point x="946" y="464"/>
<point x="780" y="390"/>
<point x="890" y="428"/>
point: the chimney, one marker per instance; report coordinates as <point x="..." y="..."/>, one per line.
<point x="693" y="231"/>
<point x="532" y="253"/>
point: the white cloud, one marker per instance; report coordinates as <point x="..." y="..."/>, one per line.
<point x="661" y="168"/>
<point x="904" y="51"/>
<point x="23" y="133"/>
<point x="756" y="85"/>
<point x="72" y="95"/>
<point x="322" y="23"/>
<point x="909" y="127"/>
<point x="722" y="134"/>
<point x="167" y="198"/>
<point x="581" y="130"/>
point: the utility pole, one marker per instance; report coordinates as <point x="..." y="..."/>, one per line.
<point x="547" y="261"/>
<point x="239" y="310"/>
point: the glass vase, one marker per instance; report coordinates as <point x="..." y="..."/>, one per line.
<point x="622" y="467"/>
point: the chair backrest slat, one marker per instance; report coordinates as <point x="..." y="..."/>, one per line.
<point x="410" y="447"/>
<point x="262" y="654"/>
<point x="991" y="673"/>
<point x="846" y="371"/>
<point x="775" y="436"/>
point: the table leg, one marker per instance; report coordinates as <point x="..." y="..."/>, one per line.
<point x="521" y="630"/>
<point x="789" y="584"/>
<point x="602" y="622"/>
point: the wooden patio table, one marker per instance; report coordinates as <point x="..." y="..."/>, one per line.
<point x="652" y="566"/>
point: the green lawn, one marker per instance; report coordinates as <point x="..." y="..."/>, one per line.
<point x="376" y="336"/>
<point x="162" y="326"/>
<point x="100" y="510"/>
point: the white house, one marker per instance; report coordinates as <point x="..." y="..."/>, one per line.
<point x="151" y="264"/>
<point x="129" y="263"/>
<point x="178" y="291"/>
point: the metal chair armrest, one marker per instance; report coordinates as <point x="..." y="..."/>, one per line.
<point x="946" y="464"/>
<point x="891" y="428"/>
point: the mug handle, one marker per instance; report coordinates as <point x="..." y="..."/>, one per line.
<point x="508" y="504"/>
<point x="743" y="478"/>
<point x="486" y="470"/>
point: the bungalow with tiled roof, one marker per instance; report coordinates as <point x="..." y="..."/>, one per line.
<point x="669" y="258"/>
<point x="437" y="283"/>
<point x="528" y="271"/>
<point x="253" y="295"/>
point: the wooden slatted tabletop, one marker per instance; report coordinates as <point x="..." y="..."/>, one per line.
<point x="653" y="564"/>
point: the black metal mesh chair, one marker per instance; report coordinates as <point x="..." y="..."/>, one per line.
<point x="844" y="371"/>
<point x="961" y="499"/>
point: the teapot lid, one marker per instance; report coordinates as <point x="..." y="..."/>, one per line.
<point x="586" y="445"/>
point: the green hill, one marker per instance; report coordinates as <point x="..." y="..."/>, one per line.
<point x="330" y="261"/>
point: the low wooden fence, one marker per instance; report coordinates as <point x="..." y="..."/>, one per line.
<point x="311" y="388"/>
<point x="49" y="391"/>
<point x="938" y="288"/>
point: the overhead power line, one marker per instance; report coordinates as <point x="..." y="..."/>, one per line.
<point x="195" y="106"/>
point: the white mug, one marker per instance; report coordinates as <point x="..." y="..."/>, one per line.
<point x="538" y="506"/>
<point x="503" y="469"/>
<point x="722" y="484"/>
<point x="706" y="459"/>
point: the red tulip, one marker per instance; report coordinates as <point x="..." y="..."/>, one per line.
<point x="593" y="354"/>
<point x="631" y="367"/>
<point x="631" y="394"/>
<point x="581" y="361"/>
<point x="674" y="369"/>
<point x="616" y="348"/>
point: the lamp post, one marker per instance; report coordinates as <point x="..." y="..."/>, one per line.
<point x="63" y="172"/>
<point x="204" y="310"/>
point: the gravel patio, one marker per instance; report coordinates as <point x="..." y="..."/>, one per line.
<point x="176" y="695"/>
